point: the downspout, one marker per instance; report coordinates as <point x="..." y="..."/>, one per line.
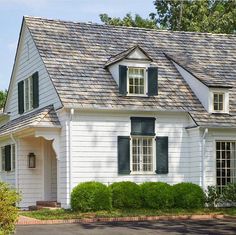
<point x="16" y="162"/>
<point x="72" y="111"/>
<point x="203" y="157"/>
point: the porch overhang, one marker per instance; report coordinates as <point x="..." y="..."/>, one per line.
<point x="40" y="123"/>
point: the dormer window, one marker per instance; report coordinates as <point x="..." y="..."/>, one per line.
<point x="135" y="73"/>
<point x="136" y="81"/>
<point x="218" y="102"/>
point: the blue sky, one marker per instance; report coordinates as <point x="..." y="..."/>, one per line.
<point x="12" y="11"/>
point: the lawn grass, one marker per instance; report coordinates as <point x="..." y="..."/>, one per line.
<point x="68" y="214"/>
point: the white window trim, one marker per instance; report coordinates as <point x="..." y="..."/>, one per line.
<point x="30" y="98"/>
<point x="153" y="172"/>
<point x="225" y="93"/>
<point x="145" y="81"/>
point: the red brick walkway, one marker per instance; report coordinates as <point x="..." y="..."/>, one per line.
<point x="23" y="220"/>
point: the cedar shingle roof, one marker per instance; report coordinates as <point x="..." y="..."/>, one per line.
<point x="39" y="118"/>
<point x="75" y="55"/>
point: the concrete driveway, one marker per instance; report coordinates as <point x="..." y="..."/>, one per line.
<point x="215" y="227"/>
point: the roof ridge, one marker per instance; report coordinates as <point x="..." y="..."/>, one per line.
<point x="130" y="27"/>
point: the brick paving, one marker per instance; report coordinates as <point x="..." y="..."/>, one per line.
<point x="24" y="220"/>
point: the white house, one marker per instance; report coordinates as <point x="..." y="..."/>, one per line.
<point x="96" y="102"/>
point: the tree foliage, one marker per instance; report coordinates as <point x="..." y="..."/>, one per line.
<point x="130" y="21"/>
<point x="3" y="96"/>
<point x="8" y="211"/>
<point x="216" y="16"/>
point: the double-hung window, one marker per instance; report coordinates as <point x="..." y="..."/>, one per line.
<point x="225" y="163"/>
<point x="142" y="154"/>
<point x="218" y="102"/>
<point x="136" y="81"/>
<point x="7" y="158"/>
<point x="28" y="94"/>
<point x="142" y="142"/>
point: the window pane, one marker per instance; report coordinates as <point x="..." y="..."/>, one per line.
<point x="215" y="98"/>
<point x="26" y="94"/>
<point x="136" y="79"/>
<point x="142" y="155"/>
<point x="31" y="93"/>
<point x="218" y="102"/>
<point x="225" y="163"/>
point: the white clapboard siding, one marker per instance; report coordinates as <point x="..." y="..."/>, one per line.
<point x="30" y="181"/>
<point x="94" y="147"/>
<point x="28" y="62"/>
<point x="63" y="194"/>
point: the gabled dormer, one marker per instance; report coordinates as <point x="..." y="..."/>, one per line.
<point x="134" y="72"/>
<point x="213" y="95"/>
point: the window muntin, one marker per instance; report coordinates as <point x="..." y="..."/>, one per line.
<point x="225" y="163"/>
<point x="142" y="155"/>
<point x="218" y="102"/>
<point x="136" y="81"/>
<point x="2" y="158"/>
<point x="28" y="94"/>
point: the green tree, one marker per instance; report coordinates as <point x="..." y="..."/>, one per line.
<point x="3" y="96"/>
<point x="130" y="21"/>
<point x="217" y="16"/>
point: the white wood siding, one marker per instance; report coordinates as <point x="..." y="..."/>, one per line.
<point x="28" y="62"/>
<point x="94" y="147"/>
<point x="63" y="189"/>
<point x="30" y="181"/>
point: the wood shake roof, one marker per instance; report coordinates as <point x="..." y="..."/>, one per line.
<point x="75" y="55"/>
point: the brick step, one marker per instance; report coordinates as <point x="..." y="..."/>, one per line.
<point x="37" y="208"/>
<point x="48" y="204"/>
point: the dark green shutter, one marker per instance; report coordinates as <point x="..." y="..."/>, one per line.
<point x="123" y="79"/>
<point x="35" y="78"/>
<point x="124" y="155"/>
<point x="21" y="97"/>
<point x="143" y="126"/>
<point x="152" y="81"/>
<point x="8" y="158"/>
<point x="162" y="155"/>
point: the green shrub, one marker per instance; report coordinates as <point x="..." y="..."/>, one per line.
<point x="188" y="195"/>
<point x="91" y="196"/>
<point x="157" y="195"/>
<point x="229" y="193"/>
<point x="126" y="195"/>
<point x="8" y="210"/>
<point x="213" y="196"/>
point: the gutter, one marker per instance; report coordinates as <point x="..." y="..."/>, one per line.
<point x="16" y="162"/>
<point x="72" y="111"/>
<point x="203" y="158"/>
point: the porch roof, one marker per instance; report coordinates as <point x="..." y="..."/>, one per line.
<point x="45" y="117"/>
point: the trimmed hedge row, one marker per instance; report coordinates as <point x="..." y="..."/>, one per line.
<point x="93" y="196"/>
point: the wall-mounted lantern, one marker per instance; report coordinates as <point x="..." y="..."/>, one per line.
<point x="31" y="160"/>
